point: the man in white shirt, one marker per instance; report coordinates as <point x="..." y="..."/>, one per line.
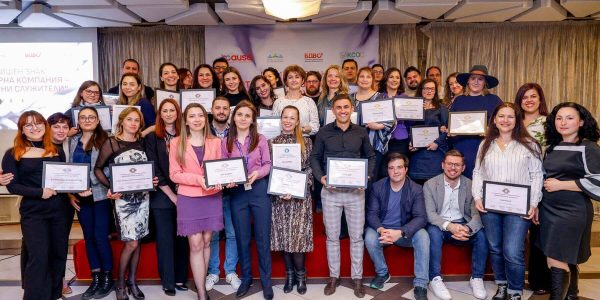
<point x="453" y="219"/>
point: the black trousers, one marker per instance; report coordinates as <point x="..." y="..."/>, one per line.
<point x="172" y="250"/>
<point x="539" y="274"/>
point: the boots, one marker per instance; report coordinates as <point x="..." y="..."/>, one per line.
<point x="94" y="287"/>
<point x="573" y="285"/>
<point x="301" y="282"/>
<point x="559" y="283"/>
<point x="106" y="285"/>
<point x="290" y="280"/>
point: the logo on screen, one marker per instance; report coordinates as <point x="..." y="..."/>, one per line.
<point x="238" y="57"/>
<point x="313" y="56"/>
<point x="275" y="57"/>
<point x="353" y="54"/>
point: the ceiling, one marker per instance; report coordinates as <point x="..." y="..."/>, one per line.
<point x="125" y="13"/>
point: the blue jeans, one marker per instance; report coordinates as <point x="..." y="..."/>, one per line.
<point x="437" y="238"/>
<point x="419" y="241"/>
<point x="506" y="238"/>
<point x="94" y="218"/>
<point x="231" y="254"/>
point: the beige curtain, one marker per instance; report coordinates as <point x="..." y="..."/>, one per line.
<point x="398" y="46"/>
<point x="563" y="57"/>
<point x="151" y="46"/>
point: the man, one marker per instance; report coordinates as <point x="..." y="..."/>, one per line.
<point x="454" y="219"/>
<point x="349" y="68"/>
<point x="219" y="65"/>
<point x="342" y="139"/>
<point x="412" y="77"/>
<point x="131" y="65"/>
<point x="313" y="85"/>
<point x="396" y="216"/>
<point x="220" y="128"/>
<point x="435" y="73"/>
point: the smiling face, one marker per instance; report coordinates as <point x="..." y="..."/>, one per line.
<point x="428" y="91"/>
<point x="263" y="89"/>
<point x="169" y="76"/>
<point x="342" y="110"/>
<point x="397" y="170"/>
<point x="333" y="79"/>
<point x="168" y="113"/>
<point x="34" y="130"/>
<point x="131" y="123"/>
<point x="220" y="111"/>
<point x="195" y="119"/>
<point x="312" y="84"/>
<point x="289" y="120"/>
<point x="393" y="81"/>
<point x="294" y="81"/>
<point x="505" y="120"/>
<point x="219" y="68"/>
<point x="130" y="67"/>
<point x="567" y="122"/>
<point x="243" y="118"/>
<point x="378" y="73"/>
<point x="530" y="103"/>
<point x="130" y="86"/>
<point x="205" y="78"/>
<point x="455" y="87"/>
<point x="88" y="120"/>
<point x="365" y="80"/>
<point x="413" y="78"/>
<point x="476" y="83"/>
<point x="91" y="94"/>
<point x="272" y="78"/>
<point x="232" y="82"/>
<point x="187" y="80"/>
<point x="453" y="166"/>
<point x="435" y="74"/>
<point x="59" y="132"/>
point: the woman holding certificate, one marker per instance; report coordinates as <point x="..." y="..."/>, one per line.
<point x="250" y="200"/>
<point x="508" y="170"/>
<point x="391" y="86"/>
<point x="131" y="94"/>
<point x="206" y="78"/>
<point x="132" y="209"/>
<point x="199" y="208"/>
<point x="291" y="229"/>
<point x="572" y="165"/>
<point x="333" y="83"/>
<point x="46" y="216"/>
<point x="233" y="86"/>
<point x="262" y="95"/>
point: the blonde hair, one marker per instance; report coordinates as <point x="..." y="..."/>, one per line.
<point x="122" y="117"/>
<point x="297" y="128"/>
<point x="185" y="132"/>
<point x="370" y="71"/>
<point x="343" y="89"/>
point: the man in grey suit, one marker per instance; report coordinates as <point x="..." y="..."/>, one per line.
<point x="453" y="219"/>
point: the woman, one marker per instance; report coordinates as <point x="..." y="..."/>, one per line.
<point x="530" y="99"/>
<point x="334" y="83"/>
<point x="132" y="209"/>
<point x="262" y="95"/>
<point x="199" y="208"/>
<point x="94" y="210"/>
<point x="294" y="77"/>
<point x="572" y="165"/>
<point x="169" y="81"/>
<point x="391" y="86"/>
<point x="172" y="251"/>
<point x="206" y="78"/>
<point x="453" y="89"/>
<point x="427" y="162"/>
<point x="291" y="227"/>
<point x="131" y="94"/>
<point x="59" y="127"/>
<point x="186" y="78"/>
<point x="46" y="216"/>
<point x="273" y="77"/>
<point x="89" y="94"/>
<point x="476" y="98"/>
<point x="508" y="154"/>
<point x="378" y="71"/>
<point x="250" y="200"/>
<point x="233" y="86"/>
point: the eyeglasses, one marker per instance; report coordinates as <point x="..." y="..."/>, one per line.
<point x="454" y="165"/>
<point x="220" y="68"/>
<point x="427" y="89"/>
<point x="30" y="126"/>
<point x="88" y="118"/>
<point x="92" y="93"/>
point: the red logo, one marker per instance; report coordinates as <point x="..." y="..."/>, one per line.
<point x="313" y="56"/>
<point x="238" y="57"/>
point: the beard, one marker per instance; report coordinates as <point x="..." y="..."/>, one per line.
<point x="312" y="92"/>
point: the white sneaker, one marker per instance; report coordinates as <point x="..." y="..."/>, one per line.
<point x="234" y="280"/>
<point x="211" y="280"/>
<point x="439" y="288"/>
<point x="478" y="288"/>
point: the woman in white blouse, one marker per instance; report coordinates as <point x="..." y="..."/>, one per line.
<point x="294" y="77"/>
<point x="508" y="154"/>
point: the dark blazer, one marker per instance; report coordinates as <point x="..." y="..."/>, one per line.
<point x="413" y="212"/>
<point x="156" y="150"/>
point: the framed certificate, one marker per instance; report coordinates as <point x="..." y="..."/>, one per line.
<point x="347" y="172"/>
<point x="506" y="198"/>
<point x="161" y="95"/>
<point x="103" y="113"/>
<point x="66" y="177"/>
<point x="204" y="97"/>
<point x="284" y="181"/>
<point x="287" y="156"/>
<point x="132" y="177"/>
<point x="116" y="111"/>
<point x="270" y="127"/>
<point x="110" y="99"/>
<point x="409" y="108"/>
<point x="330" y="117"/>
<point x="377" y="111"/>
<point x="265" y="113"/>
<point x="224" y="171"/>
<point x="467" y="122"/>
<point x="421" y="136"/>
<point x="279" y="92"/>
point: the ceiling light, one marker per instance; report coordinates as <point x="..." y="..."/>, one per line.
<point x="292" y="9"/>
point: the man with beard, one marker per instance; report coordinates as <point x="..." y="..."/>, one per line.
<point x="313" y="84"/>
<point x="219" y="65"/>
<point x="412" y="77"/>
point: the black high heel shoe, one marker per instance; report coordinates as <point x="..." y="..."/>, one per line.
<point x="121" y="292"/>
<point x="134" y="290"/>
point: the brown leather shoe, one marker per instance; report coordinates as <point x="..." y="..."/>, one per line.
<point x="359" y="288"/>
<point x="331" y="286"/>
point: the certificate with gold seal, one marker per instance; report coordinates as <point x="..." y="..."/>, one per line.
<point x="347" y="172"/>
<point x="422" y="136"/>
<point x="506" y="198"/>
<point x="66" y="177"/>
<point x="377" y="111"/>
<point x="288" y="182"/>
<point x="467" y="122"/>
<point x="409" y="108"/>
<point x="132" y="177"/>
<point x="224" y="171"/>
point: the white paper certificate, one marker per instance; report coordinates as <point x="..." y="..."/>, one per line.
<point x="270" y="127"/>
<point x="116" y="111"/>
<point x="330" y="117"/>
<point x="110" y="99"/>
<point x="467" y="122"/>
<point x="287" y="156"/>
<point x="132" y="177"/>
<point x="265" y="113"/>
<point x="284" y="182"/>
<point x="377" y="111"/>
<point x="279" y="92"/>
<point x="162" y="95"/>
<point x="422" y="136"/>
<point x="203" y="97"/>
<point x="224" y="171"/>
<point x="103" y="114"/>
<point x="409" y="108"/>
<point x="506" y="198"/>
<point x="347" y="172"/>
<point x="66" y="177"/>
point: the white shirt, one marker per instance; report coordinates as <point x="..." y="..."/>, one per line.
<point x="450" y="209"/>
<point x="309" y="114"/>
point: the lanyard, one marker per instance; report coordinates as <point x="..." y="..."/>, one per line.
<point x="246" y="156"/>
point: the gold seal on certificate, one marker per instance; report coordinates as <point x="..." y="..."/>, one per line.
<point x="409" y="108"/>
<point x="287" y="156"/>
<point x="224" y="171"/>
<point x="203" y="97"/>
<point x="422" y="136"/>
<point x="347" y="172"/>
<point x="66" y="177"/>
<point x="103" y="114"/>
<point x="330" y="117"/>
<point x="506" y="198"/>
<point x="377" y="111"/>
<point x="132" y="177"/>
<point x="288" y="182"/>
<point x="110" y="99"/>
<point x="116" y="111"/>
<point x="270" y="127"/>
<point x="467" y="122"/>
<point x="161" y="95"/>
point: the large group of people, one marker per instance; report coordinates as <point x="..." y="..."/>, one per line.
<point x="417" y="197"/>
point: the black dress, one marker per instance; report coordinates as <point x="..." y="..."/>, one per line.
<point x="566" y="216"/>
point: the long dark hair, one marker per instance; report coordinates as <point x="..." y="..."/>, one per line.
<point x="86" y="84"/>
<point x="254" y="95"/>
<point x="99" y="136"/>
<point x="448" y="95"/>
<point x="216" y="84"/>
<point x="233" y="127"/>
<point x="519" y="133"/>
<point x="589" y="130"/>
<point x="276" y="74"/>
<point x="436" y="98"/>
<point x="160" y="70"/>
<point x="241" y="86"/>
<point x="386" y="76"/>
<point x="543" y="109"/>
